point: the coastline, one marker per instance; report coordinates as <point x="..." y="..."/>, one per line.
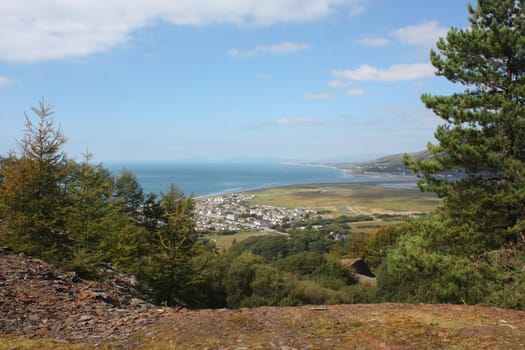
<point x="208" y="180"/>
<point x="355" y="171"/>
<point x="318" y="165"/>
<point x="379" y="180"/>
<point x="362" y="178"/>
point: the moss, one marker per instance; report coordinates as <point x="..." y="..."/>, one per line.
<point x="19" y="343"/>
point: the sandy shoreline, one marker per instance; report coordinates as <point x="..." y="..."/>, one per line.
<point x="354" y="171"/>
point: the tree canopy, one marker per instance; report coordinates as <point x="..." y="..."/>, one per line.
<point x="478" y="166"/>
<point x="473" y="249"/>
<point x="32" y="188"/>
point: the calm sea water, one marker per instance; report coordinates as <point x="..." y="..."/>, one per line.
<point x="203" y="179"/>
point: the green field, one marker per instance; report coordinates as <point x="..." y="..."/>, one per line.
<point x="350" y="198"/>
<point x="224" y="242"/>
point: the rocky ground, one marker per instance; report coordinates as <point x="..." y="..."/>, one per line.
<point x="42" y="307"/>
<point x="37" y="300"/>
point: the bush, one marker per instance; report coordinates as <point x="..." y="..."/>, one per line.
<point x="377" y="245"/>
<point x="269" y="247"/>
<point x="440" y="264"/>
<point x="302" y="264"/>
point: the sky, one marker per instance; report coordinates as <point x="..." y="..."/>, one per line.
<point x="225" y="80"/>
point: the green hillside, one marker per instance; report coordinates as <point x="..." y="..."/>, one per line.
<point x="391" y="165"/>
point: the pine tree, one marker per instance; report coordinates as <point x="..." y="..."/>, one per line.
<point x="167" y="269"/>
<point x="483" y="135"/>
<point x="95" y="220"/>
<point x="130" y="193"/>
<point x="473" y="250"/>
<point x="32" y="190"/>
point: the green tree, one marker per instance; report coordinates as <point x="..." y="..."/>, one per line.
<point x="302" y="264"/>
<point x="130" y="193"/>
<point x="270" y="247"/>
<point x="134" y="243"/>
<point x="32" y="192"/>
<point x="95" y="220"/>
<point x="472" y="250"/>
<point x="269" y="287"/>
<point x="167" y="270"/>
<point x="210" y="269"/>
<point x="239" y="278"/>
<point x="414" y="272"/>
<point x="440" y="261"/>
<point x="376" y="246"/>
<point x="483" y="137"/>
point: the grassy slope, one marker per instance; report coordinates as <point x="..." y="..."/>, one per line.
<point x="388" y="165"/>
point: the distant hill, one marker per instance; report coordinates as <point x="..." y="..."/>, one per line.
<point x="387" y="165"/>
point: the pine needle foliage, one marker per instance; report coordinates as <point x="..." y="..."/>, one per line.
<point x="483" y="135"/>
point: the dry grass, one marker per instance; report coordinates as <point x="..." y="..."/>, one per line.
<point x="19" y="343"/>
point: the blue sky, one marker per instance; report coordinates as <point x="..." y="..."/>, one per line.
<point x="305" y="80"/>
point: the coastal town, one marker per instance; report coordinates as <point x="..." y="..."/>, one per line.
<point x="234" y="212"/>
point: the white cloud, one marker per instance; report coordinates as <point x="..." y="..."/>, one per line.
<point x="355" y="92"/>
<point x="356" y="9"/>
<point x="373" y="42"/>
<point x="338" y="84"/>
<point x="286" y="122"/>
<point x="396" y="72"/>
<point x="35" y="30"/>
<point x="293" y="121"/>
<point x="263" y="76"/>
<point x="319" y="96"/>
<point x="277" y="49"/>
<point x="425" y="34"/>
<point x="5" y="81"/>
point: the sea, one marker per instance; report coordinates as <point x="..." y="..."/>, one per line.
<point x="207" y="179"/>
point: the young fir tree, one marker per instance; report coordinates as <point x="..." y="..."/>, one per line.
<point x="483" y="137"/>
<point x="95" y="219"/>
<point x="167" y="270"/>
<point x="32" y="190"/>
<point x="129" y="192"/>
